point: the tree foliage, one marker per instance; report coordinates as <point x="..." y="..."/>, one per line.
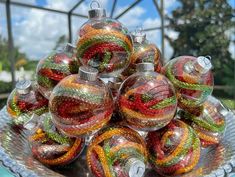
<point x="5" y="62"/>
<point x="203" y="26"/>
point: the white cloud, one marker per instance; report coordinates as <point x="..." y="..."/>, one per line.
<point x="37" y="31"/>
<point x="3" y="28"/>
<point x="168" y="5"/>
<point x="231" y="35"/>
<point x="232" y="50"/>
<point x="153" y="36"/>
<point x="132" y="18"/>
<point x="27" y="1"/>
<point x="168" y="51"/>
<point x="61" y="4"/>
<point x="149" y="22"/>
<point x="171" y="33"/>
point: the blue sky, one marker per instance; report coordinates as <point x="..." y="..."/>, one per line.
<point x="147" y="4"/>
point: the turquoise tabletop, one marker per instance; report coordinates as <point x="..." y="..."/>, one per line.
<point x="4" y="172"/>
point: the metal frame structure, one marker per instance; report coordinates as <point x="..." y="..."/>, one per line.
<point x="159" y="4"/>
<point x="70" y="13"/>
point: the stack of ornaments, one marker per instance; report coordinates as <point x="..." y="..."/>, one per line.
<point x="112" y="93"/>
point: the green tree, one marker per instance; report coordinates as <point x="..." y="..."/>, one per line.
<point x="5" y="63"/>
<point x="202" y="26"/>
<point x="3" y="54"/>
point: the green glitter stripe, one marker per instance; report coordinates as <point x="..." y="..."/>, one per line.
<point x="44" y="81"/>
<point x="74" y="67"/>
<point x="109" y="160"/>
<point x="149" y="59"/>
<point x="188" y="102"/>
<point x="107" y="57"/>
<point x="41" y="110"/>
<point x="203" y="122"/>
<point x="59" y="67"/>
<point x="127" y="150"/>
<point x="89" y="97"/>
<point x="165" y="103"/>
<point x="24" y="117"/>
<point x="21" y="119"/>
<point x="94" y="40"/>
<point x="106" y="38"/>
<point x="13" y="105"/>
<point x="184" y="150"/>
<point x="47" y="124"/>
<point x="146" y="97"/>
<point x="184" y="85"/>
<point x="197" y="143"/>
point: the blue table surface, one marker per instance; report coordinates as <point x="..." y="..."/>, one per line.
<point x="4" y="172"/>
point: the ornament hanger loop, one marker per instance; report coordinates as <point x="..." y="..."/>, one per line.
<point x="207" y="60"/>
<point x="208" y="57"/>
<point x="94" y="4"/>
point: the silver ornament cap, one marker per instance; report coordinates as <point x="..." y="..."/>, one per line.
<point x="69" y="48"/>
<point x="138" y="36"/>
<point x="203" y="64"/>
<point x="135" y="167"/>
<point x="88" y="73"/>
<point x="144" y="67"/>
<point x="96" y="12"/>
<point x="23" y="86"/>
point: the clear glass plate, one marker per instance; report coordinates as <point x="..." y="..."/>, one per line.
<point x="15" y="154"/>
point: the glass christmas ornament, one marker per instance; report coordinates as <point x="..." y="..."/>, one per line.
<point x="210" y="123"/>
<point x="24" y="101"/>
<point x="192" y="78"/>
<point x="81" y="104"/>
<point x="173" y="150"/>
<point x="49" y="146"/>
<point x="54" y="68"/>
<point x="117" y="152"/>
<point x="147" y="99"/>
<point x="104" y="44"/>
<point x="144" y="51"/>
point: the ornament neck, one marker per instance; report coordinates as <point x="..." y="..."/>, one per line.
<point x="145" y="67"/>
<point x="134" y="167"/>
<point x="88" y="73"/>
<point x="23" y="87"/>
<point x="96" y="11"/>
<point x="138" y="36"/>
<point x="201" y="65"/>
<point x="69" y="48"/>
